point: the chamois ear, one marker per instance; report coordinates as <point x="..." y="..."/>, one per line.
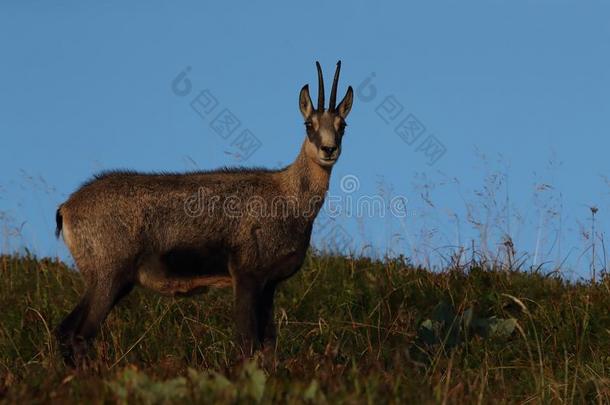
<point x="305" y="102"/>
<point x="346" y="104"/>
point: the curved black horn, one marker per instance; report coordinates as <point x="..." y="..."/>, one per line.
<point x="333" y="92"/>
<point x="320" y="88"/>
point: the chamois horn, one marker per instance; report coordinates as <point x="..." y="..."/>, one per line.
<point x="320" y="88"/>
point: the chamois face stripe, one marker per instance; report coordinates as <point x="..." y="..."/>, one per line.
<point x="314" y="137"/>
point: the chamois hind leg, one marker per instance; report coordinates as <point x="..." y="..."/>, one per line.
<point x="83" y="323"/>
<point x="64" y="333"/>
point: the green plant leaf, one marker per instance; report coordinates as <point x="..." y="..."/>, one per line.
<point x="252" y="381"/>
<point x="503" y="327"/>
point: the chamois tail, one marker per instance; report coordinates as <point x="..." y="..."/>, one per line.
<point x="59" y="220"/>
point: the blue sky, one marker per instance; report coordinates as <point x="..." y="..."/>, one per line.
<point x="86" y="86"/>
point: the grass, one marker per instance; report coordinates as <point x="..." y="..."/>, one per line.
<point x="350" y="331"/>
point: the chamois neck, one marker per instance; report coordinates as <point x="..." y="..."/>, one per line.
<point x="306" y="177"/>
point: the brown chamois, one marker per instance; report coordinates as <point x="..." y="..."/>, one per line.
<point x="180" y="233"/>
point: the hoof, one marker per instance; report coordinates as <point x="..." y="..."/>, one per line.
<point x="73" y="350"/>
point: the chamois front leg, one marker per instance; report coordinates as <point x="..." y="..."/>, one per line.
<point x="247" y="299"/>
<point x="266" y="324"/>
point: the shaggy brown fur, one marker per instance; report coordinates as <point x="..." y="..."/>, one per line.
<point x="182" y="233"/>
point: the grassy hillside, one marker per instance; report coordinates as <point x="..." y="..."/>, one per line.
<point x="350" y="331"/>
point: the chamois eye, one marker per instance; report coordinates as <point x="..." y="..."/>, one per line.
<point x="308" y="124"/>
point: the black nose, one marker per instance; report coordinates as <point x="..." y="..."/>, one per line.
<point x="328" y="150"/>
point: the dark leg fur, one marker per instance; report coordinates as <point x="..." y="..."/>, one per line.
<point x="79" y="328"/>
<point x="266" y="324"/>
<point x="64" y="333"/>
<point x="247" y="297"/>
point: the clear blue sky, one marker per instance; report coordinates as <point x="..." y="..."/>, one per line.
<point x="86" y="86"/>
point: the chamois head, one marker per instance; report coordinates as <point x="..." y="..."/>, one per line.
<point x="325" y="128"/>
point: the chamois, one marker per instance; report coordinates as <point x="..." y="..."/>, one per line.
<point x="179" y="233"/>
